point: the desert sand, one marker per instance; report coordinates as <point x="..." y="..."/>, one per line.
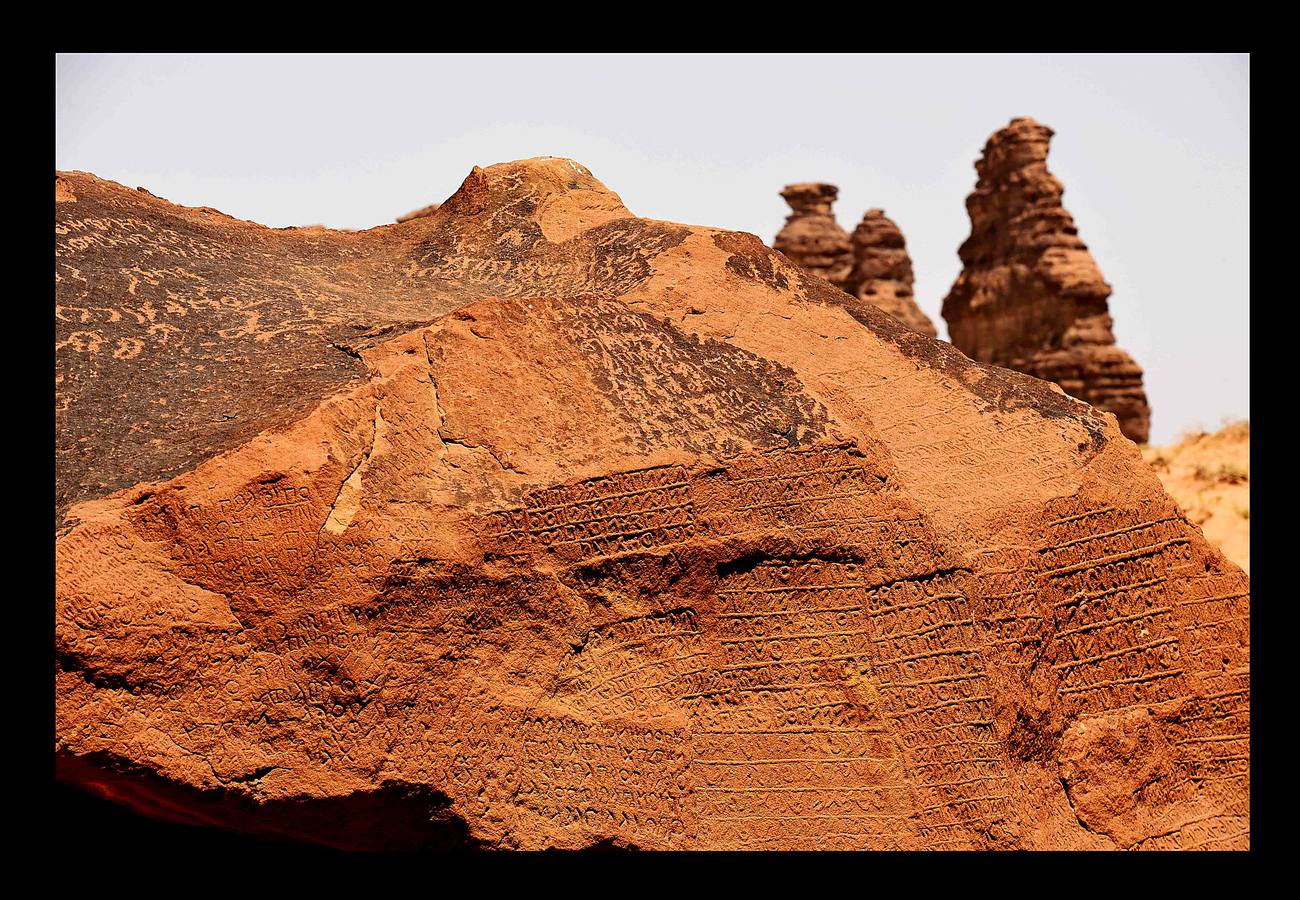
<point x="1209" y="475"/>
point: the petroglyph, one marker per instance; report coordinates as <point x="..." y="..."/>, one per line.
<point x="528" y="523"/>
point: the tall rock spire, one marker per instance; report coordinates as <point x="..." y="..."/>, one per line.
<point x="1030" y="296"/>
<point x="882" y="271"/>
<point x="811" y="237"/>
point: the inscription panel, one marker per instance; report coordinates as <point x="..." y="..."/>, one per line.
<point x="935" y="686"/>
<point x="710" y="681"/>
<point x="815" y="488"/>
<point x="1015" y="632"/>
<point x="791" y="749"/>
<point x="634" y="666"/>
<point x="1144" y="616"/>
<point x="1106" y="575"/>
<point x="604" y="516"/>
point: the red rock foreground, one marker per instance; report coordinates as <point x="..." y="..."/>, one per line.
<point x="532" y="523"/>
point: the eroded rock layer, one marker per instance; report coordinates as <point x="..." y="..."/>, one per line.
<point x="811" y="237"/>
<point x="1030" y="296"/>
<point x="531" y="523"/>
<point x="882" y="271"/>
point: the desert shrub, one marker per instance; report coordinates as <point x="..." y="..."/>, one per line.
<point x="1224" y="473"/>
<point x="1231" y="473"/>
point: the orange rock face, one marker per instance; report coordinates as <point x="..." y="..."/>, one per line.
<point x="882" y="271"/>
<point x="811" y="237"/>
<point x="1030" y="297"/>
<point x="531" y="523"/>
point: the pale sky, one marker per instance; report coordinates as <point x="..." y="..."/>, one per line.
<point x="1153" y="151"/>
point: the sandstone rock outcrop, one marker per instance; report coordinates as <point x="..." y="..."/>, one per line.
<point x="882" y="271"/>
<point x="872" y="264"/>
<point x="811" y="237"/>
<point x="1030" y="296"/>
<point x="532" y="523"/>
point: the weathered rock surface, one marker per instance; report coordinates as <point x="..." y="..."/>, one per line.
<point x="882" y="271"/>
<point x="1030" y="296"/>
<point x="419" y="213"/>
<point x="811" y="237"/>
<point x="532" y="523"/>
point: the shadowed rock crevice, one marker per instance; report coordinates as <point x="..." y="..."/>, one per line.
<point x="393" y="817"/>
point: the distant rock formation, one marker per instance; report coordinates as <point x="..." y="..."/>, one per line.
<point x="811" y="237"/>
<point x="882" y="271"/>
<point x="419" y="213"/>
<point x="873" y="264"/>
<point x="1030" y="297"/>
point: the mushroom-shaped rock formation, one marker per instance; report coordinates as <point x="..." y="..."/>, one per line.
<point x="531" y="523"/>
<point x="811" y="237"/>
<point x="1030" y="296"/>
